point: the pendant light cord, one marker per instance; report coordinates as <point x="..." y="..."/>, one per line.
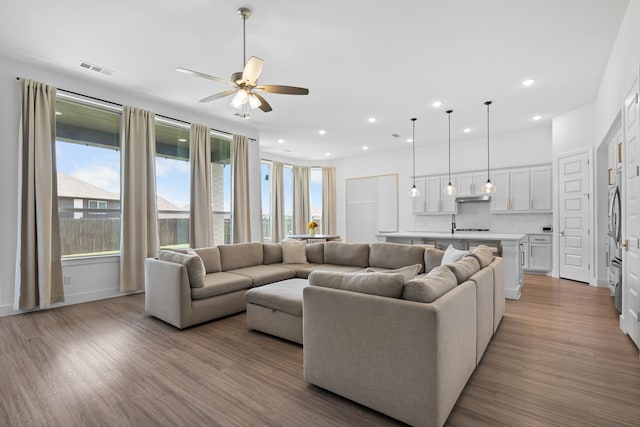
<point x="413" y="141"/>
<point x="487" y="104"/>
<point x="449" y="116"/>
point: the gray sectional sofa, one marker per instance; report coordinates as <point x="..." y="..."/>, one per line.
<point x="405" y="348"/>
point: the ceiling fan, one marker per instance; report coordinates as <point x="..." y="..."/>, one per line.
<point x="245" y="83"/>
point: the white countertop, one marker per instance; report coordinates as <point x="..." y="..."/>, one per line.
<point x="458" y="235"/>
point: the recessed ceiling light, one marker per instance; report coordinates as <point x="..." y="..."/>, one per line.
<point x="409" y="140"/>
<point x="528" y="82"/>
<point x="467" y="130"/>
<point x="365" y="148"/>
<point x="437" y="104"/>
<point x="182" y="140"/>
<point x="371" y="120"/>
<point x="536" y="118"/>
<point x="281" y="141"/>
<point x="327" y="154"/>
<point x="322" y="131"/>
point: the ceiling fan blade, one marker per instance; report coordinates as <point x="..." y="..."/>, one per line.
<point x="219" y="95"/>
<point x="205" y="76"/>
<point x="252" y="70"/>
<point x="264" y="105"/>
<point x="287" y="90"/>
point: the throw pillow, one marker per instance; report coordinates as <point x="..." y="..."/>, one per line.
<point x="211" y="259"/>
<point x="452" y="255"/>
<point x="294" y="251"/>
<point x="193" y="264"/>
<point x="483" y="254"/>
<point x="464" y="268"/>
<point x="431" y="286"/>
<point x="432" y="258"/>
<point x="408" y="272"/>
<point x="381" y="284"/>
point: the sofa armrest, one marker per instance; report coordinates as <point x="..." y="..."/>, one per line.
<point x="167" y="292"/>
<point x="406" y="359"/>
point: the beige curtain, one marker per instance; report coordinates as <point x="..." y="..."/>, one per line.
<point x="201" y="222"/>
<point x="277" y="201"/>
<point x="139" y="232"/>
<point x="301" y="214"/>
<point x="329" y="200"/>
<point x="38" y="264"/>
<point x="240" y="182"/>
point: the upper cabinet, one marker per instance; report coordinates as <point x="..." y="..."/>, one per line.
<point x="541" y="189"/>
<point x="518" y="190"/>
<point x="522" y="190"/>
<point x="470" y="184"/>
<point x="431" y="200"/>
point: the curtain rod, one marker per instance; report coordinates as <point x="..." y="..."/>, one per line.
<point x="120" y="105"/>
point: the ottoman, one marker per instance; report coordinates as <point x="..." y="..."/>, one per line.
<point x="276" y="309"/>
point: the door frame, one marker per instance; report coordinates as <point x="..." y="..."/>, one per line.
<point x="593" y="281"/>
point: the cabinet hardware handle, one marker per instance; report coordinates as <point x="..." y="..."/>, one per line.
<point x="538" y="240"/>
<point x="562" y="232"/>
<point x="625" y="245"/>
<point x="609" y="176"/>
<point x="620" y="152"/>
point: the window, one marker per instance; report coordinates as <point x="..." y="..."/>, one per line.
<point x="265" y="189"/>
<point x="88" y="164"/>
<point x="288" y="199"/>
<point x="315" y="196"/>
<point x="172" y="185"/>
<point x="221" y="189"/>
<point x="97" y="204"/>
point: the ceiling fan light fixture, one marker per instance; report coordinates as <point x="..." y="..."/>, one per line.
<point x="240" y="99"/>
<point x="254" y="102"/>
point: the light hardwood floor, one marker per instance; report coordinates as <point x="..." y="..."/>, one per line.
<point x="558" y="358"/>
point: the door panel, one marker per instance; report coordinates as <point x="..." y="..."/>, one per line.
<point x="630" y="193"/>
<point x="574" y="217"/>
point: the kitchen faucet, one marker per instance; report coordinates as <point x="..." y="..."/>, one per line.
<point x="453" y="223"/>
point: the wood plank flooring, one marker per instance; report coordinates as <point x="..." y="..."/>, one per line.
<point x="558" y="359"/>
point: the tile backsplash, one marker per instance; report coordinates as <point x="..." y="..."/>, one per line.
<point x="478" y="215"/>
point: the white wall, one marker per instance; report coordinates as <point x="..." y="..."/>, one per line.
<point x="529" y="147"/>
<point x="98" y="278"/>
<point x="621" y="70"/>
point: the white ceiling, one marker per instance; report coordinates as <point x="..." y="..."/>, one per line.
<point x="384" y="59"/>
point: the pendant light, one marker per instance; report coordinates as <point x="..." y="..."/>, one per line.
<point x="488" y="186"/>
<point x="414" y="192"/>
<point x="449" y="190"/>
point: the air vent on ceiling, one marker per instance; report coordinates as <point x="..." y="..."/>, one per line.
<point x="96" y="68"/>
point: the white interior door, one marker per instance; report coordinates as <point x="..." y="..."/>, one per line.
<point x="573" y="183"/>
<point x="631" y="217"/>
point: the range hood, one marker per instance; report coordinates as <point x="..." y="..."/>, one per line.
<point x="473" y="199"/>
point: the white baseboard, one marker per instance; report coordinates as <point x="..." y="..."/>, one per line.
<point x="77" y="298"/>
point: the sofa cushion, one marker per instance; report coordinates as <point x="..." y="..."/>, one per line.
<point x="219" y="284"/>
<point x="211" y="259"/>
<point x="351" y="254"/>
<point x="315" y="253"/>
<point x="394" y="255"/>
<point x="294" y="251"/>
<point x="272" y="253"/>
<point x="408" y="271"/>
<point x="193" y="263"/>
<point x="283" y="296"/>
<point x="240" y="255"/>
<point x="432" y="258"/>
<point x="265" y="274"/>
<point x="483" y="254"/>
<point x="431" y="286"/>
<point x="452" y="255"/>
<point x="465" y="268"/>
<point x="386" y="285"/>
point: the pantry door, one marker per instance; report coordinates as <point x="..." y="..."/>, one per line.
<point x="573" y="193"/>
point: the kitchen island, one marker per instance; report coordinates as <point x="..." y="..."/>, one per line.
<point x="509" y="245"/>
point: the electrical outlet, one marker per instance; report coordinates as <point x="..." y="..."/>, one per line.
<point x="66" y="280"/>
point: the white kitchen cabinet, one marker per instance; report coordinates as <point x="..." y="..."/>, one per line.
<point x="540" y="253"/>
<point x="541" y="188"/>
<point x="513" y="193"/>
<point x="431" y="200"/>
<point x="470" y="184"/>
